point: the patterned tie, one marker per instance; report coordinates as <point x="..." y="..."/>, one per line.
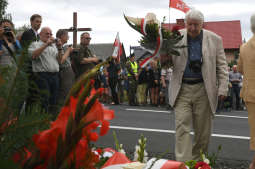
<point x="37" y="37"/>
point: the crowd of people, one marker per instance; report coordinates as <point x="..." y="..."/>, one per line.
<point x="52" y="65"/>
<point x="193" y="87"/>
<point x="135" y="85"/>
<point x="52" y="69"/>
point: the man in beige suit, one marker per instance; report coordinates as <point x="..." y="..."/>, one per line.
<point x="246" y="66"/>
<point x="199" y="78"/>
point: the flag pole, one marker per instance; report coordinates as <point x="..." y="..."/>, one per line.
<point x="169" y="15"/>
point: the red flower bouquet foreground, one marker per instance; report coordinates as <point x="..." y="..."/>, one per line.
<point x="67" y="143"/>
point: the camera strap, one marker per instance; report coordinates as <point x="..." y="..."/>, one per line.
<point x="10" y="51"/>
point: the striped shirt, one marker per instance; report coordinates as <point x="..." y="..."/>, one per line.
<point x="6" y="58"/>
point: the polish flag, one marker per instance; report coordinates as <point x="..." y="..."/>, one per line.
<point x="117" y="48"/>
<point x="180" y="5"/>
<point x="165" y="164"/>
<point x="116" y="161"/>
<point x="120" y="161"/>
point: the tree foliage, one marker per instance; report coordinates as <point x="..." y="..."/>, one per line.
<point x="3" y="6"/>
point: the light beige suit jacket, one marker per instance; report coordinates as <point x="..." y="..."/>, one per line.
<point x="246" y="66"/>
<point x="214" y="68"/>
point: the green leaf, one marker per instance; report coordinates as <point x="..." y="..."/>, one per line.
<point x="60" y="149"/>
<point x="82" y="97"/>
<point x="191" y="164"/>
<point x="116" y="141"/>
<point x="174" y="52"/>
<point x="8" y="164"/>
<point x="69" y="129"/>
<point x="135" y="27"/>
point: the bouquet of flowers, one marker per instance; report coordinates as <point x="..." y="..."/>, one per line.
<point x="207" y="161"/>
<point x="67" y="143"/>
<point x="156" y="38"/>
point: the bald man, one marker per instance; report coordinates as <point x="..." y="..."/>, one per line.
<point x="45" y="66"/>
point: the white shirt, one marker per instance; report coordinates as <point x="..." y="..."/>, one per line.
<point x="167" y="73"/>
<point x="47" y="61"/>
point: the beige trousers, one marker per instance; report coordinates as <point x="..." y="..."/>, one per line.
<point x="251" y="120"/>
<point x="141" y="93"/>
<point x="192" y="109"/>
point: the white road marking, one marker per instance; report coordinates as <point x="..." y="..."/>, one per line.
<point x="237" y="117"/>
<point x="169" y="112"/>
<point x="146" y="110"/>
<point x="172" y="132"/>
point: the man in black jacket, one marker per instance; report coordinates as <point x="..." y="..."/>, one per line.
<point x="113" y="70"/>
<point x="27" y="38"/>
<point x="31" y="35"/>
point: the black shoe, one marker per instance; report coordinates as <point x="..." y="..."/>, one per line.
<point x="168" y="107"/>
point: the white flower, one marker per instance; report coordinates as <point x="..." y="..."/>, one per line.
<point x="122" y="151"/>
<point x="135" y="157"/>
<point x="145" y="158"/>
<point x="207" y="161"/>
<point x="137" y="148"/>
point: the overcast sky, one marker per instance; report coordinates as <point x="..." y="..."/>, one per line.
<point x="106" y="17"/>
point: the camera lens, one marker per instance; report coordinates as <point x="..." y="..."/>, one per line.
<point x="7" y="31"/>
<point x="195" y="66"/>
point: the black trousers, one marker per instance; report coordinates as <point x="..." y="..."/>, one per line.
<point x="48" y="84"/>
<point x="113" y="86"/>
<point x="235" y="91"/>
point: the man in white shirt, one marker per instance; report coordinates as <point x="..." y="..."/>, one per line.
<point x="45" y="67"/>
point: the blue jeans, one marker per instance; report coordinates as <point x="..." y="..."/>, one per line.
<point x="235" y="92"/>
<point x="48" y="84"/>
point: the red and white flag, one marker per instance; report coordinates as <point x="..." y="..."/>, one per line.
<point x="147" y="60"/>
<point x="117" y="48"/>
<point x="119" y="160"/>
<point x="180" y="5"/>
<point x="165" y="164"/>
<point x="116" y="161"/>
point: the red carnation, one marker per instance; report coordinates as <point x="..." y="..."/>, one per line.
<point x="202" y="165"/>
<point x="176" y="29"/>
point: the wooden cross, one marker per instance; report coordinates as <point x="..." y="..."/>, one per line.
<point x="74" y="29"/>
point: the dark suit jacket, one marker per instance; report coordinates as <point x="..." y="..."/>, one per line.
<point x="27" y="37"/>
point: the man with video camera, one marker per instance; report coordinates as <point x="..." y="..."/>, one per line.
<point x="9" y="46"/>
<point x="45" y="66"/>
<point x="199" y="79"/>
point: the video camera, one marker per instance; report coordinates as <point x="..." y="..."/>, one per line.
<point x="195" y="65"/>
<point x="8" y="31"/>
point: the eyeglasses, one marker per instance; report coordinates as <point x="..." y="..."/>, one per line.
<point x="48" y="34"/>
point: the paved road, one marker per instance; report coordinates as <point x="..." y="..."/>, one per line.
<point x="230" y="129"/>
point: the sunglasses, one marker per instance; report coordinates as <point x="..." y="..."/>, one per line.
<point x="87" y="38"/>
